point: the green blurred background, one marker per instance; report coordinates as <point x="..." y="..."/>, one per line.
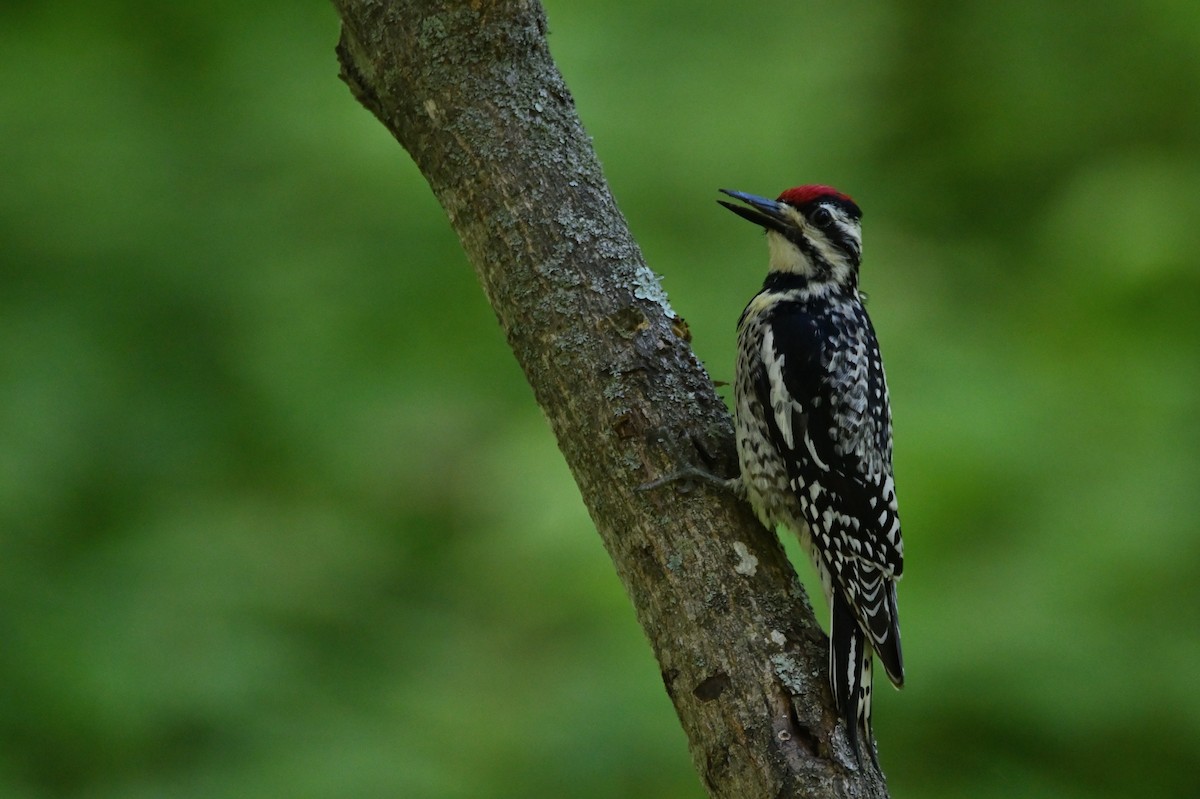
<point x="278" y="513"/>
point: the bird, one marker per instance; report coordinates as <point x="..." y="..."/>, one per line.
<point x="813" y="428"/>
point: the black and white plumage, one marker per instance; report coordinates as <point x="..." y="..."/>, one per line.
<point x="814" y="429"/>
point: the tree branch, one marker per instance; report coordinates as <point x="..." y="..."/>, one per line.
<point x="468" y="87"/>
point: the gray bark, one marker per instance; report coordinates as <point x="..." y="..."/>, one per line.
<point x="469" y="89"/>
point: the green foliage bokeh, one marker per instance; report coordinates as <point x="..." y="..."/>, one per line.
<point x="279" y="516"/>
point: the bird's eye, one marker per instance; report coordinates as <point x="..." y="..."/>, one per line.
<point x="822" y="218"/>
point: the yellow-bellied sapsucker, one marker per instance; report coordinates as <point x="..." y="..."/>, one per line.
<point x="814" y="430"/>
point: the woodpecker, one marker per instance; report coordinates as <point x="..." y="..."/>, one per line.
<point x="814" y="430"/>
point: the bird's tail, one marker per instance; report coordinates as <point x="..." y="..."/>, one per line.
<point x="850" y="667"/>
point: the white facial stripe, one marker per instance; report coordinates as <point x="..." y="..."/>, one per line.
<point x="787" y="257"/>
<point x="852" y="232"/>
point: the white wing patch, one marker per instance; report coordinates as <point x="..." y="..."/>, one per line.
<point x="784" y="407"/>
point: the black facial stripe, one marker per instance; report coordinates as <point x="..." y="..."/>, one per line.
<point x="842" y="238"/>
<point x="836" y="234"/>
<point x="842" y="208"/>
<point x="795" y="236"/>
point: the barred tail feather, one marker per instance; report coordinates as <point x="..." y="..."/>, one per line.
<point x="875" y="595"/>
<point x="850" y="667"/>
<point x="888" y="649"/>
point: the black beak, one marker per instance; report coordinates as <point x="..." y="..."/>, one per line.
<point x="767" y="213"/>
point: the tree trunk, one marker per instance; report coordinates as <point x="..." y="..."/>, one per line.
<point x="468" y="87"/>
